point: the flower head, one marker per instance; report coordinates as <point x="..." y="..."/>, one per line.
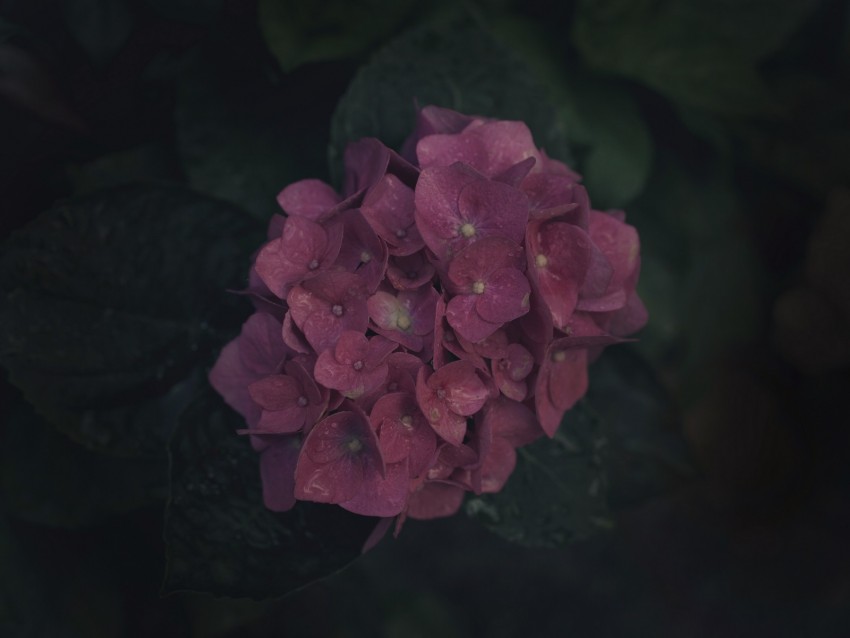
<point x="413" y="331"/>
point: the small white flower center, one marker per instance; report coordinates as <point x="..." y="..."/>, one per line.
<point x="403" y="322"/>
<point x="467" y="230"/>
<point x="478" y="287"/>
<point x="407" y="420"/>
<point x="541" y="261"/>
<point x="365" y="256"/>
<point x="401" y="233"/>
<point x="336" y="309"/>
<point x="441" y="394"/>
<point x="313" y="265"/>
<point x="357" y="365"/>
<point x="558" y="356"/>
<point x="354" y="445"/>
<point x="302" y="401"/>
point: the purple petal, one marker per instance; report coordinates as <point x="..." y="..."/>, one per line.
<point x="506" y="296"/>
<point x="310" y="198"/>
<point x="277" y="470"/>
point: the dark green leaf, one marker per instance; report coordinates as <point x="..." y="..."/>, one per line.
<point x="455" y="66"/>
<point x="297" y="32"/>
<point x="191" y="11"/>
<point x="557" y="492"/>
<point x="239" y="150"/>
<point x="221" y="539"/>
<point x="646" y="455"/>
<point x="603" y="116"/>
<point x="101" y="27"/>
<point x="699" y="53"/>
<point x="699" y="276"/>
<point x="25" y="606"/>
<point x="113" y="301"/>
<point x="48" y="479"/>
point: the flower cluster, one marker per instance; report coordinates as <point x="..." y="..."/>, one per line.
<point x="412" y="332"/>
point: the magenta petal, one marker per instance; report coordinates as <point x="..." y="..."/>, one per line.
<point x="512" y="421"/>
<point x="389" y="207"/>
<point x="436" y="196"/>
<point x="333" y="482"/>
<point x="382" y="496"/>
<point x="464" y="392"/>
<point x="619" y="243"/>
<point x="497" y="467"/>
<point x="275" y="392"/>
<point x="288" y="420"/>
<point x="477" y="262"/>
<point x="558" y="258"/>
<point x="515" y="175"/>
<point x="435" y="499"/>
<point x="494" y="209"/>
<point x="277" y="470"/>
<point x="261" y="347"/>
<point x="505" y="297"/>
<point x="461" y="315"/>
<point x="231" y="379"/>
<point x="309" y="198"/>
<point x="568" y="379"/>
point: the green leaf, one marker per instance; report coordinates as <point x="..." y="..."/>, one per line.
<point x="101" y="27"/>
<point x="48" y="479"/>
<point x="112" y="304"/>
<point x="26" y="608"/>
<point x="557" y="493"/>
<point x="646" y="455"/>
<point x="241" y="150"/>
<point x="451" y="65"/>
<point x="191" y="11"/>
<point x="220" y="537"/>
<point x="298" y="32"/>
<point x="700" y="279"/>
<point x="700" y="53"/>
<point x="603" y="116"/>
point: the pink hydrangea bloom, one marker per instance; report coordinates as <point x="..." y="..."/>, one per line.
<point x="416" y="329"/>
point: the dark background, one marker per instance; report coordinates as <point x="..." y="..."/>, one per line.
<point x="721" y="127"/>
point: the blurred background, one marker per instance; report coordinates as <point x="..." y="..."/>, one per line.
<point x="722" y="127"/>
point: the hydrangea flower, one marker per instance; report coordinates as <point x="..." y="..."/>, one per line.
<point x="414" y="330"/>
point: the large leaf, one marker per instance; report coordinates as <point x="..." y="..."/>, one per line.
<point x="239" y="150"/>
<point x="603" y="116"/>
<point x="699" y="279"/>
<point x="25" y="605"/>
<point x="699" y="53"/>
<point x="48" y="479"/>
<point x="101" y="27"/>
<point x="111" y="303"/>
<point x="618" y="447"/>
<point x="221" y="538"/>
<point x="297" y="33"/>
<point x="646" y="454"/>
<point x="606" y="131"/>
<point x="557" y="493"/>
<point x="452" y="65"/>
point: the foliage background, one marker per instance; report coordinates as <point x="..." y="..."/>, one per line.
<point x="157" y="134"/>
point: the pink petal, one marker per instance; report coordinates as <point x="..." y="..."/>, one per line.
<point x="309" y="198"/>
<point x="506" y="296"/>
<point x="558" y="258"/>
<point x="434" y="499"/>
<point x="494" y="209"/>
<point x="461" y="315"/>
<point x="277" y="470"/>
<point x="381" y="496"/>
<point x="231" y="379"/>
